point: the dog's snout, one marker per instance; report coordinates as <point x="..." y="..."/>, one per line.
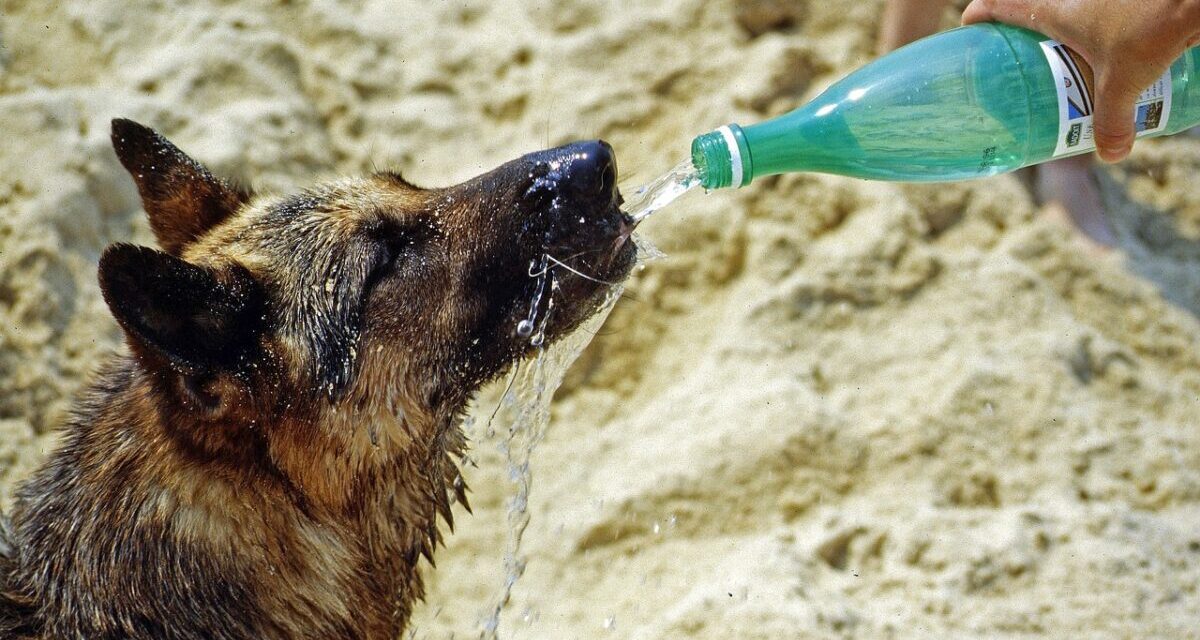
<point x="594" y="168"/>
<point x="586" y="172"/>
<point x="574" y="188"/>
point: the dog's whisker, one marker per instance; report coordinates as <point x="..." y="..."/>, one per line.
<point x="580" y="253"/>
<point x="625" y="295"/>
<point x="543" y="267"/>
<point x="525" y="327"/>
<point x="580" y="273"/>
<point x="487" y="428"/>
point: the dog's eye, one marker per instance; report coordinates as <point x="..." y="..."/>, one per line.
<point x="382" y="265"/>
<point x="396" y="246"/>
<point x="392" y="250"/>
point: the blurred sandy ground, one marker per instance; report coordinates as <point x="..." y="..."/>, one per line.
<point x="838" y="409"/>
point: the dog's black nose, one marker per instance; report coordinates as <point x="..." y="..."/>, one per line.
<point x="592" y="168"/>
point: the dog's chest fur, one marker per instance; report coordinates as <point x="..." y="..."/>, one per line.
<point x="329" y="553"/>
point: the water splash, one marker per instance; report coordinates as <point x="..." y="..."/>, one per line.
<point x="661" y="192"/>
<point x="527" y="407"/>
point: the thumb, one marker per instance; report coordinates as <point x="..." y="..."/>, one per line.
<point x="978" y="11"/>
<point x="1113" y="118"/>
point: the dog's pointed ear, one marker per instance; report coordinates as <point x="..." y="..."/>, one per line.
<point x="197" y="320"/>
<point x="182" y="198"/>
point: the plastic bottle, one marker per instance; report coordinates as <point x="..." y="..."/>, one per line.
<point x="970" y="102"/>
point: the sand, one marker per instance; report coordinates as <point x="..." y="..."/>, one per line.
<point x="836" y="409"/>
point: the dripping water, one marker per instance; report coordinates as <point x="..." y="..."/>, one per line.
<point x="526" y="410"/>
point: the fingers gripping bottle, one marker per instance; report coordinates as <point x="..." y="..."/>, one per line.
<point x="966" y="103"/>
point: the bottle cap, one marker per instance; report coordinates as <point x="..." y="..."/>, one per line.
<point x="722" y="158"/>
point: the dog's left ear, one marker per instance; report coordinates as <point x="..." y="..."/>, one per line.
<point x="197" y="320"/>
<point x="182" y="198"/>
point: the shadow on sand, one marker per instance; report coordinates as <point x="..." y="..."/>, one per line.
<point x="1157" y="242"/>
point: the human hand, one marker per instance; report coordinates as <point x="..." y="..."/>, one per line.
<point x="1128" y="43"/>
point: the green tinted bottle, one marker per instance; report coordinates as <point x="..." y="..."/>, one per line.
<point x="965" y="103"/>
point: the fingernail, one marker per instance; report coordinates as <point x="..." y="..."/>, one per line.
<point x="1115" y="154"/>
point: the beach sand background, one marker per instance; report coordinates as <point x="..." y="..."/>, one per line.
<point x="836" y="409"/>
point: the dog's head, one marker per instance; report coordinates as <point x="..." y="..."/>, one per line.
<point x="363" y="286"/>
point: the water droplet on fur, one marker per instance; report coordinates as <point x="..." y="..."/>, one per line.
<point x="525" y="328"/>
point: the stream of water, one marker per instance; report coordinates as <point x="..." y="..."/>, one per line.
<point x="656" y="194"/>
<point x="525" y="408"/>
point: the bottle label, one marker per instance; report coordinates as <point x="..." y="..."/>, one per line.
<point x="1076" y="86"/>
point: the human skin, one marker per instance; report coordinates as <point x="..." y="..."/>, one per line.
<point x="907" y="20"/>
<point x="1128" y="43"/>
<point x="1065" y="185"/>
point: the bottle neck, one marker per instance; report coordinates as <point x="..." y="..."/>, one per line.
<point x="722" y="158"/>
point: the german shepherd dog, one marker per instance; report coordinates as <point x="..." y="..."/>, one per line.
<point x="270" y="458"/>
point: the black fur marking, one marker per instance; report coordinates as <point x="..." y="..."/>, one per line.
<point x="195" y="319"/>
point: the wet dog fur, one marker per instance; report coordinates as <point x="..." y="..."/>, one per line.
<point x="271" y="456"/>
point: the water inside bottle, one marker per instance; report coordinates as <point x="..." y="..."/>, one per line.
<point x="662" y="191"/>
